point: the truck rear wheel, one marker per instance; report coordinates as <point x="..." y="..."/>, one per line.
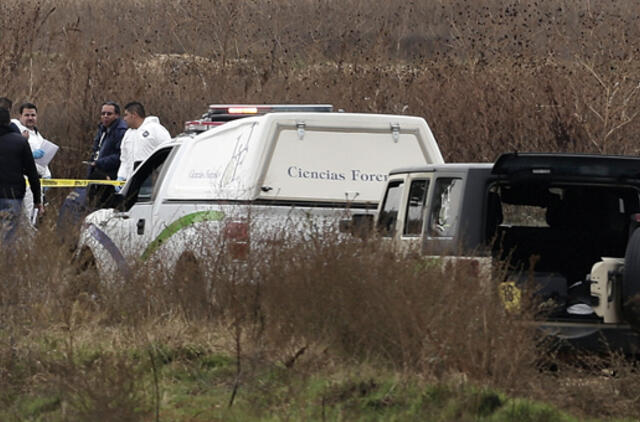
<point x="631" y="281"/>
<point x="84" y="277"/>
<point x="190" y="285"/>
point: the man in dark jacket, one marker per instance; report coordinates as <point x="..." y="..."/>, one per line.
<point x="104" y="164"/>
<point x="16" y="161"/>
<point x="105" y="155"/>
<point x="7" y="103"/>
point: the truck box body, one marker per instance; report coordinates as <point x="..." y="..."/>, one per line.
<point x="271" y="171"/>
<point x="321" y="157"/>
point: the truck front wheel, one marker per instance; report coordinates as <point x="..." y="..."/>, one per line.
<point x="190" y="286"/>
<point x="84" y="277"/>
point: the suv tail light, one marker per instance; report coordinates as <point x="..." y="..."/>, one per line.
<point x="236" y="236"/>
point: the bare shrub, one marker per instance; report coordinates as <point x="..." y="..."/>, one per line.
<point x="105" y="386"/>
<point x="366" y="303"/>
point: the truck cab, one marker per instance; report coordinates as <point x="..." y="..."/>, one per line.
<point x="427" y="202"/>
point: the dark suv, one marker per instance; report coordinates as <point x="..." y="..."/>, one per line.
<point x="565" y="221"/>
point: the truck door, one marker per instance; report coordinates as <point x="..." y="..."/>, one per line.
<point x="133" y="226"/>
<point x="402" y="211"/>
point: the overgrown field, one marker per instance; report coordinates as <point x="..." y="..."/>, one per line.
<point x="325" y="329"/>
<point x="320" y="329"/>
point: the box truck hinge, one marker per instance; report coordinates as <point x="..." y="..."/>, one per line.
<point x="395" y="132"/>
<point x="300" y="127"/>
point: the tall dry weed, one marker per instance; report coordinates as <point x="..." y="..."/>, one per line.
<point x="297" y="303"/>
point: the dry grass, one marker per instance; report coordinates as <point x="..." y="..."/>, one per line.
<point x="305" y="306"/>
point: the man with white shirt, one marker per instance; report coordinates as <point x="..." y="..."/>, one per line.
<point x="27" y="126"/>
<point x="145" y="133"/>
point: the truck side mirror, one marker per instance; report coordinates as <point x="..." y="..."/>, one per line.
<point x="116" y="200"/>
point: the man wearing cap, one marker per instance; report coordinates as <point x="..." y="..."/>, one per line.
<point x="16" y="161"/>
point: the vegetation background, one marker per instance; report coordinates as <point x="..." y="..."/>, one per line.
<point x="489" y="76"/>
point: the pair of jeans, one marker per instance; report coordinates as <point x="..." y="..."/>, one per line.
<point x="10" y="214"/>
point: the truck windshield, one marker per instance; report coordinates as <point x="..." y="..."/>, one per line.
<point x="146" y="178"/>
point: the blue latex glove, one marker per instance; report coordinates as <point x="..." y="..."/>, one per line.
<point x="38" y="153"/>
<point x="117" y="188"/>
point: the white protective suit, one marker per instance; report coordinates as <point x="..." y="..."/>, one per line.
<point x="138" y="144"/>
<point x="35" y="142"/>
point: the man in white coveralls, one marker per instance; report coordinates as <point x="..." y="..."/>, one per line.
<point x="145" y="133"/>
<point x="27" y="126"/>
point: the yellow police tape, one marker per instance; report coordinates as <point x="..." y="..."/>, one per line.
<point x="74" y="183"/>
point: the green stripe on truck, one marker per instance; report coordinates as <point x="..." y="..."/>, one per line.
<point x="179" y="224"/>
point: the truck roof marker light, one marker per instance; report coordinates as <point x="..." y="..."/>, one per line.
<point x="214" y="109"/>
<point x="199" y="125"/>
<point x="243" y="110"/>
<point x="541" y="171"/>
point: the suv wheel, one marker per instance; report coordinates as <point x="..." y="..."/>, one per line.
<point x="631" y="281"/>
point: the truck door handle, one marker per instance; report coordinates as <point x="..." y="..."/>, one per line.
<point x="140" y="226"/>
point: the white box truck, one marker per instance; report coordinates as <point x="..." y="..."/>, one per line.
<point x="248" y="176"/>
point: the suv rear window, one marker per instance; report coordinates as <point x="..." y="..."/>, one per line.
<point x="443" y="221"/>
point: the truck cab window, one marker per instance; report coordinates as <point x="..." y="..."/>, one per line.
<point x="389" y="212"/>
<point x="415" y="207"/>
<point x="146" y="178"/>
<point x="443" y="220"/>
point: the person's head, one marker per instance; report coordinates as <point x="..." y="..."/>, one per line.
<point x="109" y="113"/>
<point x="5" y="117"/>
<point x="6" y="103"/>
<point x="134" y="114"/>
<point x="29" y="115"/>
